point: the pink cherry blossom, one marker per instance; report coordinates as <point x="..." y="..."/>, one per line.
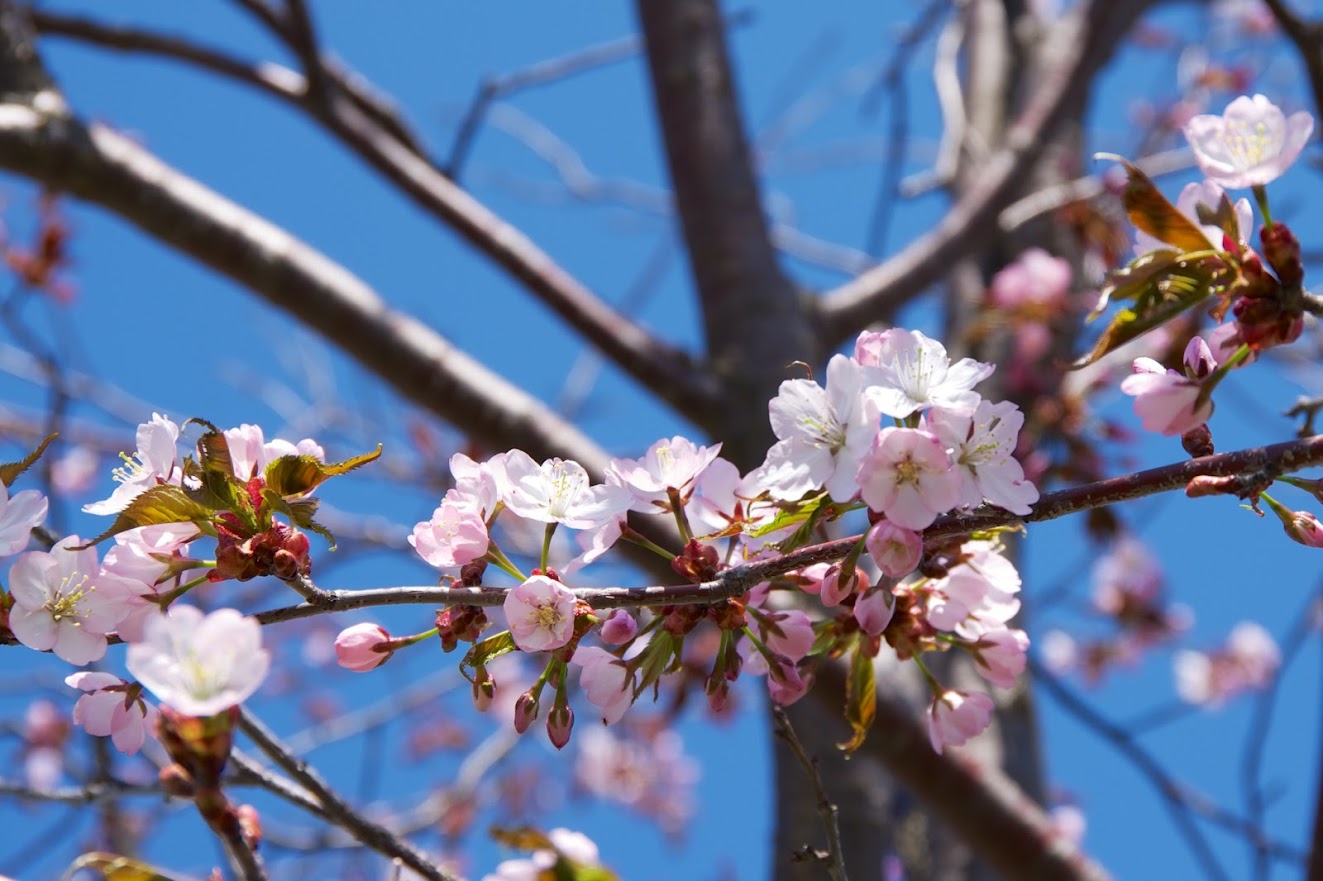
<point x="147" y="557"/>
<point x="894" y="549"/>
<point x="873" y="611"/>
<point x="540" y="613"/>
<point x="977" y="596"/>
<point x="910" y="477"/>
<point x="619" y="627"/>
<point x="1247" y="662"/>
<point x="982" y="441"/>
<point x="19" y="515"/>
<point x="557" y="491"/>
<point x="153" y="464"/>
<point x="1001" y="655"/>
<point x="1165" y="401"/>
<point x="823" y="433"/>
<point x="606" y="681"/>
<point x="917" y="374"/>
<point x="1209" y="195"/>
<point x="673" y="464"/>
<point x="833" y="591"/>
<point x="785" y="684"/>
<point x="250" y="452"/>
<point x="108" y="710"/>
<point x="956" y="716"/>
<point x="200" y="665"/>
<point x="455" y="535"/>
<point x="356" y="647"/>
<point x="1252" y="143"/>
<point x="64" y="603"/>
<point x="1035" y="279"/>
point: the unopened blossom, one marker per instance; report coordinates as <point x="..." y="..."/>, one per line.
<point x="148" y="557"/>
<point x="151" y="465"/>
<point x="956" y="716"/>
<point x="833" y="589"/>
<point x="357" y="647"/>
<point x="787" y="632"/>
<point x="1304" y="527"/>
<point x="619" y="627"/>
<point x="64" y="603"/>
<point x="785" y="684"/>
<point x="1209" y="195"/>
<point x="1252" y="143"/>
<point x="250" y="452"/>
<point x="1248" y="661"/>
<point x="540" y="613"/>
<point x="669" y="465"/>
<point x="1166" y="401"/>
<point x="200" y="665"/>
<point x="822" y="432"/>
<point x="917" y="374"/>
<point x="1035" y="280"/>
<point x="19" y="515"/>
<point x="909" y="476"/>
<point x="982" y="441"/>
<point x="606" y="681"/>
<point x="455" y="535"/>
<point x="874" y="611"/>
<point x="1000" y="656"/>
<point x="109" y="710"/>
<point x="557" y="491"/>
<point x="894" y="549"/>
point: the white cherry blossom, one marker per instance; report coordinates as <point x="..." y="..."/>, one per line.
<point x="200" y="665"/>
<point x="918" y="375"/>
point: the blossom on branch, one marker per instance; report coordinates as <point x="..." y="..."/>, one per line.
<point x="151" y="465"/>
<point x="1251" y="144"/>
<point x="910" y="477"/>
<point x="200" y="665"/>
<point x="19" y="515"/>
<point x="111" y="707"/>
<point x="956" y="716"/>
<point x="540" y="613"/>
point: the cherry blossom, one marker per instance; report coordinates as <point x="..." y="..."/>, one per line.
<point x="668" y="465"/>
<point x="823" y="433"/>
<point x="1208" y="194"/>
<point x="200" y="665"/>
<point x="540" y="613"/>
<point x="956" y="716"/>
<point x="874" y="611"/>
<point x="19" y="515"/>
<point x="250" y="452"/>
<point x="977" y="596"/>
<point x="557" y="491"/>
<point x="1248" y="661"/>
<point x="909" y="476"/>
<point x="111" y="708"/>
<point x="64" y="603"/>
<point x="455" y="535"/>
<point x="153" y="464"/>
<point x="356" y="647"/>
<point x="982" y="441"/>
<point x="1165" y="401"/>
<point x="651" y="774"/>
<point x="619" y="627"/>
<point x="147" y="557"/>
<point x="1252" y="143"/>
<point x="606" y="682"/>
<point x="894" y="549"/>
<point x="918" y="375"/>
<point x="1000" y="656"/>
<point x="1036" y="279"/>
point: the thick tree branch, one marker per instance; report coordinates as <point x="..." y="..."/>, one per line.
<point x="667" y="372"/>
<point x="753" y="318"/>
<point x="1085" y="39"/>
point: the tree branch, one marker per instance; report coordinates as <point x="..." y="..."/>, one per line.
<point x="1085" y="39"/>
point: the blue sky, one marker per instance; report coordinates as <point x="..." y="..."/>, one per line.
<point x="188" y="343"/>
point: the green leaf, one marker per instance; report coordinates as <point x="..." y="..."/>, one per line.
<point x="214" y="449"/>
<point x="300" y="475"/>
<point x="1130" y="281"/>
<point x="10" y="471"/>
<point x="860" y="700"/>
<point x="484" y="652"/>
<point x="1129" y="324"/>
<point x="165" y="503"/>
<point x="1150" y="211"/>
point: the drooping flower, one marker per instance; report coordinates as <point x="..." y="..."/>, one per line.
<point x="977" y="596"/>
<point x="956" y="716"/>
<point x="606" y="681"/>
<point x="874" y="611"/>
<point x="200" y="665"/>
<point x="1166" y="401"/>
<point x="111" y="708"/>
<point x="1252" y="143"/>
<point x="917" y="374"/>
<point x="64" y="603"/>
<point x="540" y="613"/>
<point x="909" y="476"/>
<point x="151" y="465"/>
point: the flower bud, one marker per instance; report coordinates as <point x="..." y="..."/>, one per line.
<point x="525" y="711"/>
<point x="362" y="647"/>
<point x="619" y="628"/>
<point x="1304" y="528"/>
<point x="1198" y="441"/>
<point x="560" y="721"/>
<point x="1282" y="251"/>
<point x="484" y="690"/>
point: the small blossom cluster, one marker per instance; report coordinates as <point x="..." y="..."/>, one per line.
<point x="1247" y="662"/>
<point x="897" y="429"/>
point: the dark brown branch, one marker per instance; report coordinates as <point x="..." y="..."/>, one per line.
<point x="1085" y="39"/>
<point x="832" y="859"/>
<point x="669" y="373"/>
<point x="1308" y="39"/>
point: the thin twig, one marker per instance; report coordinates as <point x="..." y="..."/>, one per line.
<point x="833" y="858"/>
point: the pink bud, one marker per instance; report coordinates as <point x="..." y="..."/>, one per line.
<point x="560" y="721"/>
<point x="1305" y="528"/>
<point x="619" y="628"/>
<point x="896" y="550"/>
<point x="525" y="711"/>
<point x="359" y="648"/>
<point x="484" y="690"/>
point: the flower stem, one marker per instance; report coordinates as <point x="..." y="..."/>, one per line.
<point x="1261" y="196"/>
